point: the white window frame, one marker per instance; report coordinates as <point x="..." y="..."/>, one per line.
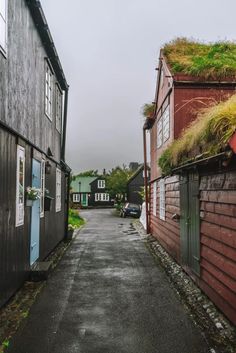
<point x="162" y="199"/>
<point x="163" y="125"/>
<point x="20" y="187"/>
<point x="154" y="200"/>
<point x="58" y="190"/>
<point x="159" y="133"/>
<point x="58" y="108"/>
<point x="42" y="173"/>
<point x="48" y="95"/>
<point x="101" y="184"/>
<point x="102" y="197"/>
<point x="76" y="198"/>
<point x="3" y="25"/>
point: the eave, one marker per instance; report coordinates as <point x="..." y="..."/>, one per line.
<point x="47" y="40"/>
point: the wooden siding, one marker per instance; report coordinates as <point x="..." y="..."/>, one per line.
<point x="14" y="241"/>
<point x="22" y="82"/>
<point x="167" y="232"/>
<point x="188" y="100"/>
<point x="52" y="224"/>
<point x="218" y="240"/>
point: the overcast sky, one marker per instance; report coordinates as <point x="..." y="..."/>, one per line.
<point x="109" y="50"/>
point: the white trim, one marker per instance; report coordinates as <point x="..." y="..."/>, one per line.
<point x="20" y="185"/>
<point x="3" y="26"/>
<point x="154" y="200"/>
<point x="101" y="184"/>
<point x="42" y="176"/>
<point x="58" y="190"/>
<point x="162" y="204"/>
<point x="48" y="94"/>
<point x="102" y="197"/>
<point x="76" y="198"/>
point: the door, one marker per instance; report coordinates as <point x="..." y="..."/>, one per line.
<point x="35" y="214"/>
<point x="190" y="221"/>
<point x="84" y="200"/>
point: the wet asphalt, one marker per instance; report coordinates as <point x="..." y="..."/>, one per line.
<point x="108" y="295"/>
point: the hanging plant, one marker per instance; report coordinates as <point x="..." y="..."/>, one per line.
<point x="33" y="193"/>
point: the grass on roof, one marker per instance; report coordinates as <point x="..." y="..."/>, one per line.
<point x="148" y="109"/>
<point x="207" y="60"/>
<point x="208" y="135"/>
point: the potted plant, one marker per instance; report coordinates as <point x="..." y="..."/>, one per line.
<point x="32" y="194"/>
<point x="47" y="201"/>
<point x="70" y="231"/>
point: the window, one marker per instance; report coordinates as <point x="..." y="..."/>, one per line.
<point x="20" y="185"/>
<point x="58" y="108"/>
<point x="42" y="188"/>
<point x="154" y="201"/>
<point x="76" y="197"/>
<point x="101" y="184"/>
<point x="162" y="204"/>
<point x="58" y="190"/>
<point x="48" y="91"/>
<point x="3" y="25"/>
<point x="163" y="125"/>
<point x="166" y="124"/>
<point x="102" y="197"/>
<point x="159" y="133"/>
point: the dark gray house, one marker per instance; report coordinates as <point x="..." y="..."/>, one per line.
<point x="135" y="185"/>
<point x="90" y="192"/>
<point x="33" y="105"/>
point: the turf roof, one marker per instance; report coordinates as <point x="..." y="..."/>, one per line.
<point x="208" y="135"/>
<point x="207" y="60"/>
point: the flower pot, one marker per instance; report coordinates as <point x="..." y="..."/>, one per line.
<point x="29" y="203"/>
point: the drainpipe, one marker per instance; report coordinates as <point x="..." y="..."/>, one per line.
<point x="67" y="205"/>
<point x="64" y="125"/>
<point x="146" y="179"/>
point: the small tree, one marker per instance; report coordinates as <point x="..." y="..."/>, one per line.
<point x="117" y="183"/>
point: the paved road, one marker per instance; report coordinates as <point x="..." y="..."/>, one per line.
<point x="108" y="296"/>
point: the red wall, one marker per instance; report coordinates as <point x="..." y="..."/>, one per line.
<point x="167" y="232"/>
<point x="217" y="239"/>
<point x="189" y="99"/>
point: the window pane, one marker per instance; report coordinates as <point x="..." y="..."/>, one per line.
<point x="3" y="8"/>
<point x="2" y="33"/>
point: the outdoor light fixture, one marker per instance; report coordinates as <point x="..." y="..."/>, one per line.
<point x="48" y="167"/>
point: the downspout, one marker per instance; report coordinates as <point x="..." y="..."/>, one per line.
<point x="146" y="180"/>
<point x="67" y="206"/>
<point x="63" y="147"/>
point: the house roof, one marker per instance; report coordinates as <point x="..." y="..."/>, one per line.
<point x="140" y="169"/>
<point x="47" y="40"/>
<point x="213" y="61"/>
<point x="82" y="184"/>
<point x="210" y="134"/>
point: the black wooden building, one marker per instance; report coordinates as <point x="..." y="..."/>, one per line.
<point x="135" y="185"/>
<point x="33" y="105"/>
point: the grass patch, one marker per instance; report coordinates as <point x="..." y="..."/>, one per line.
<point x="208" y="135"/>
<point x="210" y="61"/>
<point x="74" y="219"/>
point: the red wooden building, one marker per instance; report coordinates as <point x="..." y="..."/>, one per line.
<point x="192" y="211"/>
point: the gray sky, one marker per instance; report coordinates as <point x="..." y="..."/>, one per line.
<point x="109" y="50"/>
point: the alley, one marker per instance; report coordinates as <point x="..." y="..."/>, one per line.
<point x="108" y="296"/>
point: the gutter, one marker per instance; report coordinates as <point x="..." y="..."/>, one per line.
<point x="222" y="155"/>
<point x="63" y="146"/>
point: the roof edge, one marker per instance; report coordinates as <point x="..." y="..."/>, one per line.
<point x="40" y="21"/>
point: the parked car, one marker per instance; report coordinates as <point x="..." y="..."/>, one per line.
<point x="130" y="209"/>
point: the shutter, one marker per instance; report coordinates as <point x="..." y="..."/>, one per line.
<point x="184" y="218"/>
